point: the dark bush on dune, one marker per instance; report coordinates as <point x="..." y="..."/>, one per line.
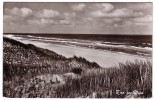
<point x="83" y="60"/>
<point x="76" y="70"/>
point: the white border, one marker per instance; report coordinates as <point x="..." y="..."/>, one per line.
<point x="1" y="39"/>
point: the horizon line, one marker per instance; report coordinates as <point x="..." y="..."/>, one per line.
<point x="72" y="33"/>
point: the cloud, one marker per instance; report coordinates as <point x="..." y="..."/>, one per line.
<point x="123" y="12"/>
<point x="103" y="7"/>
<point x="107" y="21"/>
<point x="78" y="7"/>
<point x="25" y="12"/>
<point x="116" y="19"/>
<point x="46" y="14"/>
<point x="46" y="22"/>
<point x="79" y="17"/>
<point x="18" y="12"/>
<point x="7" y="18"/>
<point x="145" y="19"/>
<point x="34" y="22"/>
<point x="127" y="23"/>
<point x="140" y="6"/>
<point x="67" y="22"/>
<point x="41" y="22"/>
<point x="67" y="15"/>
<point x="40" y="18"/>
<point x="111" y="20"/>
<point x="16" y="16"/>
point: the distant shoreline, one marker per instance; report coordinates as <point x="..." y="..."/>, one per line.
<point x="144" y="56"/>
<point x="116" y="45"/>
<point x="77" y="34"/>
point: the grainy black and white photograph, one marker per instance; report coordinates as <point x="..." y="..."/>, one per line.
<point x="77" y="49"/>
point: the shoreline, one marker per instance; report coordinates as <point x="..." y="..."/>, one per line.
<point x="150" y="57"/>
<point x="92" y="45"/>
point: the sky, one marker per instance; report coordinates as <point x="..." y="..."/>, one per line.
<point x="78" y="18"/>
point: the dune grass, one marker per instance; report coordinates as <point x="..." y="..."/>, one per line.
<point x="105" y="82"/>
